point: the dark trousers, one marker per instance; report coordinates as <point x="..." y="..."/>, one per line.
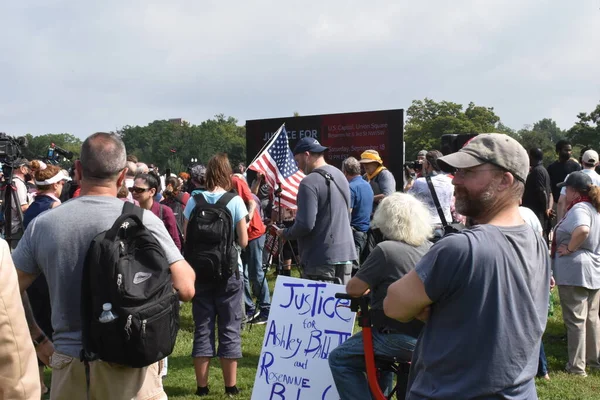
<point x="360" y="242"/>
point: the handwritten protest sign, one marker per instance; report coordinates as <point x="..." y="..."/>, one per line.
<point x="306" y="323"/>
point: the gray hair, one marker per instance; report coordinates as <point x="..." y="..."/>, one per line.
<point x="131" y="168"/>
<point x="403" y="218"/>
<point x="142" y="168"/>
<point x="103" y="156"/>
<point x="351" y="166"/>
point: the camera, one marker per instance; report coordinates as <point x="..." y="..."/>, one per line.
<point x="416" y="165"/>
<point x="54" y="152"/>
<point x="10" y="148"/>
<point x="10" y="151"/>
<point x="451" y="143"/>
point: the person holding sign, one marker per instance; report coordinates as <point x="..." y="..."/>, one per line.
<point x="404" y="222"/>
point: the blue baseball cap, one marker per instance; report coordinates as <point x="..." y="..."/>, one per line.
<point x="309" y="144"/>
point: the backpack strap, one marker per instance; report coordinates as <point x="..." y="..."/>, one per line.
<point x="160" y="211"/>
<point x="226" y="198"/>
<point x="130" y="208"/>
<point x="130" y="211"/>
<point x="199" y="199"/>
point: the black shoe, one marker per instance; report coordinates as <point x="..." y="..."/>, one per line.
<point x="251" y="314"/>
<point x="232" y="391"/>
<point x="260" y="319"/>
<point x="202" y="391"/>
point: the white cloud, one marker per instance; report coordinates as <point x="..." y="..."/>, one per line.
<point x="87" y="66"/>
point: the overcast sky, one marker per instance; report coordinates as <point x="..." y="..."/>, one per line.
<point x="86" y="66"/>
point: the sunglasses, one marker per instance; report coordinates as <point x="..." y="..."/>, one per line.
<point x="138" y="190"/>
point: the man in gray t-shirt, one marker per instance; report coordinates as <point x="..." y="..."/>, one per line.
<point x="322" y="225"/>
<point x="482" y="292"/>
<point x="55" y="244"/>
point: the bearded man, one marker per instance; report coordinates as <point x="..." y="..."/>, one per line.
<point x="482" y="292"/>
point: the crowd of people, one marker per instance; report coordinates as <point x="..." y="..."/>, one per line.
<point x="469" y="316"/>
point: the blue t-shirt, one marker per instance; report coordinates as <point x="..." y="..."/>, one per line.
<point x="361" y="203"/>
<point x="236" y="207"/>
<point x="489" y="311"/>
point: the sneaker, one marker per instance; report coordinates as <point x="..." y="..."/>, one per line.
<point x="232" y="391"/>
<point x="202" y="391"/>
<point x="260" y="319"/>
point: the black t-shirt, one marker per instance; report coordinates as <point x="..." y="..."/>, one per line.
<point x="558" y="171"/>
<point x="537" y="191"/>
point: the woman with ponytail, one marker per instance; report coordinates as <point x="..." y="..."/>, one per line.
<point x="576" y="266"/>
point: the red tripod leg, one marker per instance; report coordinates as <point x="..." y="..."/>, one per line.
<point x="370" y="363"/>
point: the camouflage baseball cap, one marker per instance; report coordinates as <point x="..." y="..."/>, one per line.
<point x="491" y="148"/>
<point x="198" y="172"/>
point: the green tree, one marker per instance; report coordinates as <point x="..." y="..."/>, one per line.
<point x="428" y="120"/>
<point x="531" y="138"/>
<point x="586" y="131"/>
<point x="550" y="128"/>
<point x="172" y="145"/>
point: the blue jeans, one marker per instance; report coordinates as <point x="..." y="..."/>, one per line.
<point x="254" y="276"/>
<point x="543" y="363"/>
<point x="347" y="363"/>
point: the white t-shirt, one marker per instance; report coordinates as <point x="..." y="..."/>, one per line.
<point x="444" y="189"/>
<point x="595" y="179"/>
<point x="530" y="219"/>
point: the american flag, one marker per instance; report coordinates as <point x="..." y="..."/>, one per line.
<point x="277" y="163"/>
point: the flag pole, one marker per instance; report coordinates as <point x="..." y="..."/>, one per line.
<point x="269" y="142"/>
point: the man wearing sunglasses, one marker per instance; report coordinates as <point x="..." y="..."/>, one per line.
<point x="484" y="291"/>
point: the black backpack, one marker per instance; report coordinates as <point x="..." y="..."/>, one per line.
<point x="126" y="267"/>
<point x="175" y="203"/>
<point x="209" y="243"/>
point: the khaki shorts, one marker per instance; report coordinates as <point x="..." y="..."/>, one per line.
<point x="107" y="381"/>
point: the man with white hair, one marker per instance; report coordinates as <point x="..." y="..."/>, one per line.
<point x="484" y="291"/>
<point x="404" y="221"/>
<point x="142" y="168"/>
<point x="589" y="162"/>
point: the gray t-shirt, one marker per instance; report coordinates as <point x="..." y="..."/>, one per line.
<point x="386" y="182"/>
<point x="581" y="268"/>
<point x="489" y="311"/>
<point x="388" y="262"/>
<point x="323" y="230"/>
<point x="443" y="188"/>
<point x="56" y="243"/>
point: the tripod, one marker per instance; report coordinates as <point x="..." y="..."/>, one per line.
<point x="10" y="198"/>
<point x="281" y="243"/>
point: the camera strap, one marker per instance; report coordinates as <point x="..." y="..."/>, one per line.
<point x="436" y="201"/>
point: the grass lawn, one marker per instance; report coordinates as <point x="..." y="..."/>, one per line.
<point x="181" y="384"/>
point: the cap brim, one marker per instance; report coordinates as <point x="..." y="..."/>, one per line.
<point x="561" y="185"/>
<point x="368" y="161"/>
<point x="459" y="160"/>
